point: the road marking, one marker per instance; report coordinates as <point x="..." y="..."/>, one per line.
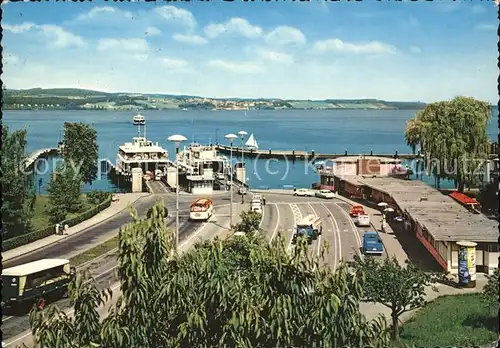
<point x="262" y="217"/>
<point x="355" y="229"/>
<point x="319" y="236"/>
<point x="337" y="242"/>
<point x="197" y="232"/>
<point x="6" y="318"/>
<point x="297" y="216"/>
<point x="277" y="225"/>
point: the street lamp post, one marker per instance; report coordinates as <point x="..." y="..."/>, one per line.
<point x="231" y="138"/>
<point x="177" y="139"/>
<point x="242" y="133"/>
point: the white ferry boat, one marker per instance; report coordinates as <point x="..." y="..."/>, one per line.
<point x="139" y="120"/>
<point x="141" y="153"/>
<point x="200" y="165"/>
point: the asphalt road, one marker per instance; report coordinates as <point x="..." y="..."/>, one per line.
<point x="343" y="238"/>
<point x="15" y="325"/>
<point x="281" y="214"/>
<point x="85" y="239"/>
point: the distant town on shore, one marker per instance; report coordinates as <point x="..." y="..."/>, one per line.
<point x="81" y="99"/>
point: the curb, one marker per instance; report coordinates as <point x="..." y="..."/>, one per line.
<point x="76" y="233"/>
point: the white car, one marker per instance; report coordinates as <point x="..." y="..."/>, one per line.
<point x="256" y="202"/>
<point x="304" y="192"/>
<point x="256" y="208"/>
<point x="220" y="176"/>
<point x="257" y="197"/>
<point x="362" y="220"/>
<point x="325" y="194"/>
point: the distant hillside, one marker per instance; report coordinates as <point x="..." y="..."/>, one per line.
<point x="83" y="99"/>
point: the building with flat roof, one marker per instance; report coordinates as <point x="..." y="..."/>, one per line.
<point x="437" y="220"/>
<point x="362" y="165"/>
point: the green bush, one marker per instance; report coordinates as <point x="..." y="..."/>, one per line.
<point x="50" y="230"/>
<point x="96" y="197"/>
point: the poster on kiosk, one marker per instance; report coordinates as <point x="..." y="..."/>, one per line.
<point x="467" y="264"/>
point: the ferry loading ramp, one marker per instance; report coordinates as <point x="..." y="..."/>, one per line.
<point x="444" y="219"/>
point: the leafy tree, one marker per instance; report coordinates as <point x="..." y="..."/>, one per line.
<point x="401" y="289"/>
<point x="413" y="130"/>
<point x="17" y="200"/>
<point x="151" y="212"/>
<point x="53" y="328"/>
<point x="491" y="289"/>
<point x="453" y="138"/>
<point x="81" y="149"/>
<point x="250" y="222"/>
<point x="224" y="293"/>
<point x="488" y="198"/>
<point x="64" y="193"/>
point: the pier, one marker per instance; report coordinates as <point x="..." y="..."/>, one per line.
<point x="303" y="155"/>
<point x="309" y="155"/>
<point x="35" y="155"/>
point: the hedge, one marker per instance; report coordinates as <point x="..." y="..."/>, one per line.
<point x="50" y="230"/>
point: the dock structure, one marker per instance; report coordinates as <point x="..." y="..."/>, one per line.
<point x="301" y="155"/>
<point x="309" y="155"/>
<point x="437" y="220"/>
<point x="41" y="153"/>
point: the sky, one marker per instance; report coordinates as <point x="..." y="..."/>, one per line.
<point x="398" y="51"/>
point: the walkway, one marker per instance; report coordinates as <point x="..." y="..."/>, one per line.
<point x="37" y="154"/>
<point x="301" y="154"/>
<point x="116" y="207"/>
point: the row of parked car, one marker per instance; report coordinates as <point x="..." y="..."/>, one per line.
<point x="372" y="243"/>
<point x="359" y="216"/>
<point x="327" y="194"/>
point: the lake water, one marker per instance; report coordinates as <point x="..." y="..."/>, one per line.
<point x="328" y="131"/>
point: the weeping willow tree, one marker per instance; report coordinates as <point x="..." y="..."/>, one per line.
<point x="237" y="292"/>
<point x="453" y="138"/>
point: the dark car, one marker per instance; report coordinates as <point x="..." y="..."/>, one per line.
<point x="372" y="243"/>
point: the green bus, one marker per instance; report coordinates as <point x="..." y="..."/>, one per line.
<point x="35" y="279"/>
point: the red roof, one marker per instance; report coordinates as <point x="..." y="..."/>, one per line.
<point x="202" y="201"/>
<point x="462" y="198"/>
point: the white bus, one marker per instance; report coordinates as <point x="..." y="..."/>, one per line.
<point x="202" y="209"/>
<point x="309" y="226"/>
<point x="34" y="280"/>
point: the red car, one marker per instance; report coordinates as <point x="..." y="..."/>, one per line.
<point x="357" y="210"/>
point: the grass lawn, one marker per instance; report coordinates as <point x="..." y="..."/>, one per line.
<point x="95" y="252"/>
<point x="459" y="320"/>
<point x="40" y="217"/>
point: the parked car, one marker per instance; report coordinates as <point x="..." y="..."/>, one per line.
<point x="357" y="210"/>
<point x="304" y="192"/>
<point x="256" y="208"/>
<point x="362" y="220"/>
<point x="372" y="244"/>
<point x="220" y="176"/>
<point x="325" y="194"/>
